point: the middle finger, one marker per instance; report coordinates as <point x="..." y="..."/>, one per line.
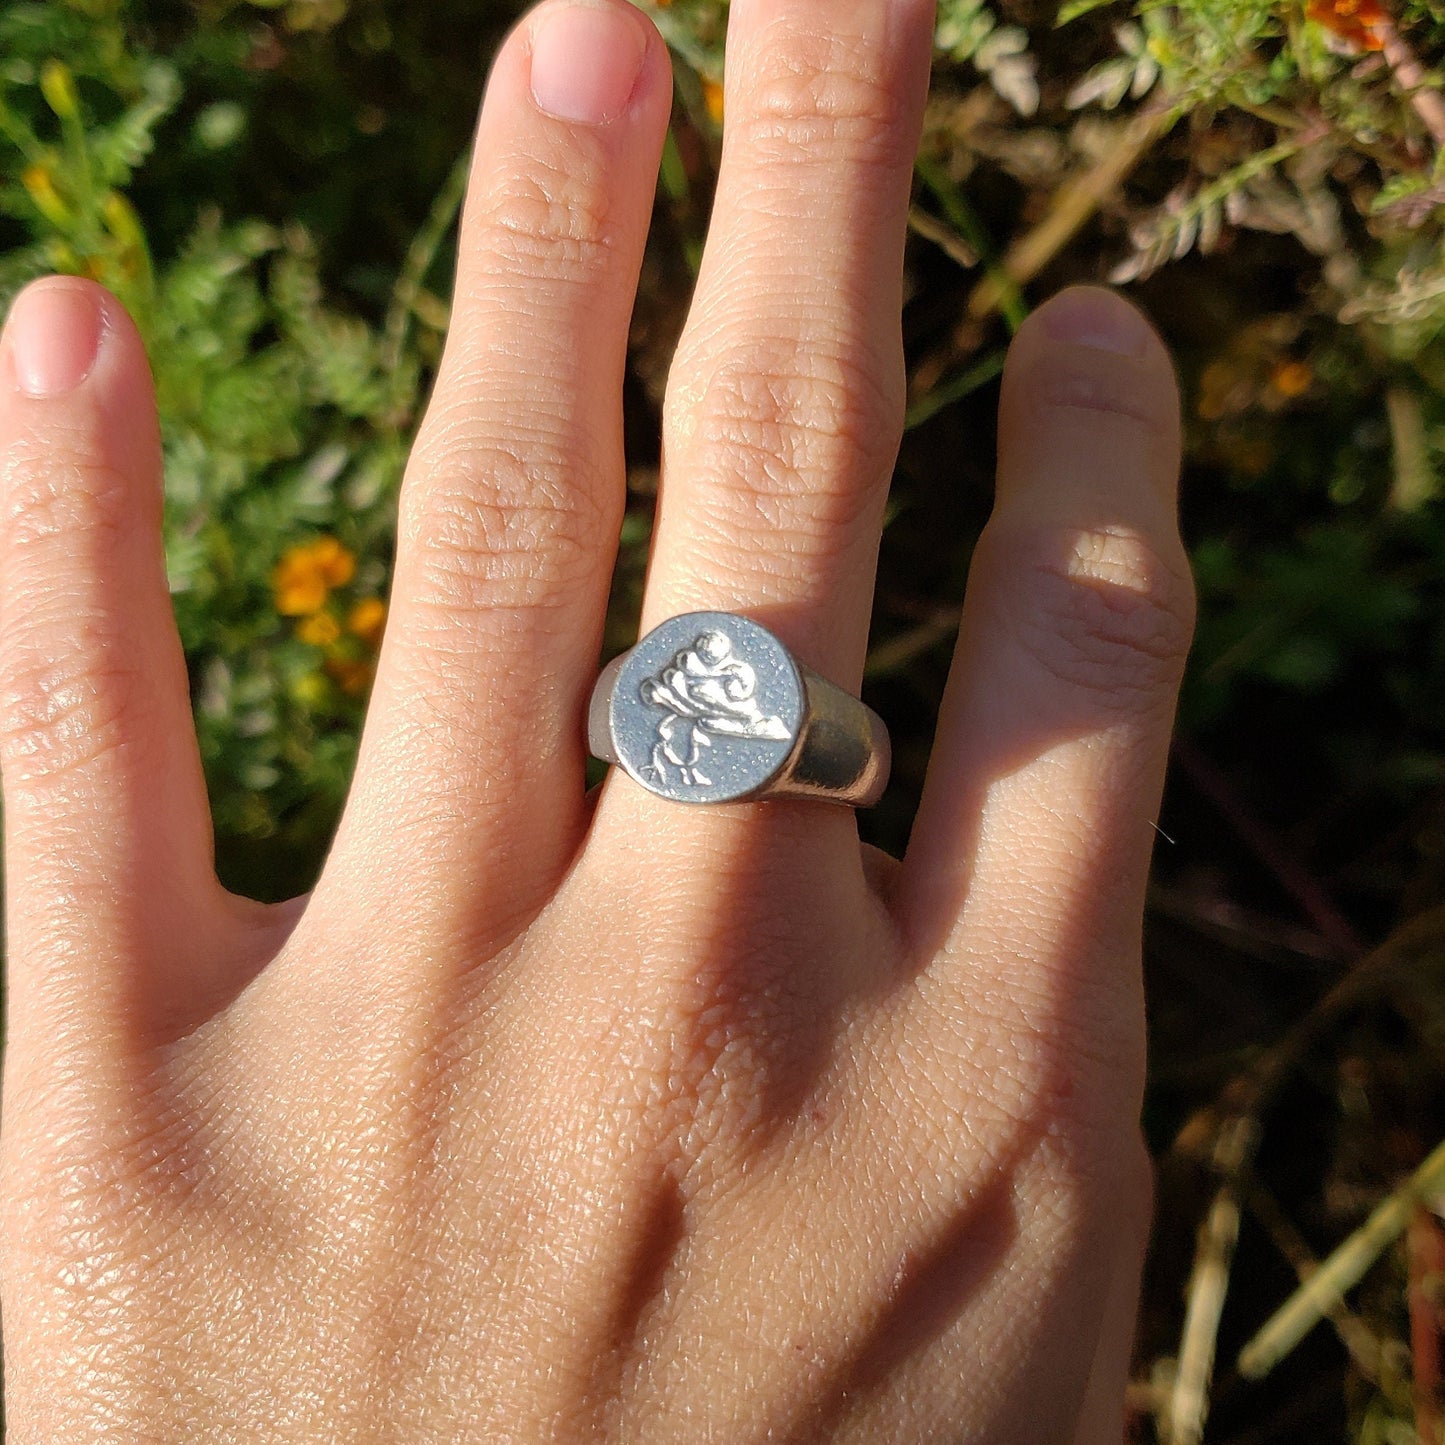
<point x="785" y="401"/>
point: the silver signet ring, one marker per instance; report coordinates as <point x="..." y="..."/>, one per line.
<point x="711" y="708"/>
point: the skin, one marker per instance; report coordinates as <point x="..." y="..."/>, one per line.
<point x="555" y="1118"/>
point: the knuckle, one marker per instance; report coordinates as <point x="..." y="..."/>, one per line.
<point x="818" y="408"/>
<point x="66" y="678"/>
<point x="801" y="442"/>
<point x="551" y="217"/>
<point x="819" y="93"/>
<point x="63" y="708"/>
<point x="503" y="529"/>
<point x="56" y="490"/>
<point x="1108" y="392"/>
<point x="1103" y="610"/>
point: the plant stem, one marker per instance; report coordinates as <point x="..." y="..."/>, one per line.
<point x="1232" y="1128"/>
<point x="1410" y="77"/>
<point x="1188" y="1402"/>
<point x="965" y="221"/>
<point x="944" y="237"/>
<point x="947" y="392"/>
<point x="1326" y="1288"/>
<point x="1363" y="1345"/>
<point x="419" y="257"/>
<point x="1075" y="203"/>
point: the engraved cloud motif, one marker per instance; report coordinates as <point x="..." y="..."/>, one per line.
<point x="706" y="691"/>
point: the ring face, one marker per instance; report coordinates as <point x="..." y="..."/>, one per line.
<point x="707" y="708"/>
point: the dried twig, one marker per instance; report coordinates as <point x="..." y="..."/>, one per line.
<point x="944" y="237"/>
<point x="1234" y="1124"/>
<point x="1414" y="474"/>
<point x="1075" y="203"/>
<point x="1410" y="77"/>
<point x="1344" y="1269"/>
<point x="1363" y="1345"/>
<point x="1188" y="1401"/>
<point x="1000" y="289"/>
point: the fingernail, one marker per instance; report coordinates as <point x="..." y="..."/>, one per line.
<point x="586" y="60"/>
<point x="53" y="335"/>
<point x="1091" y="316"/>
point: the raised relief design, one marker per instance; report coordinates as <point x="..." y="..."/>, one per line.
<point x="706" y="691"/>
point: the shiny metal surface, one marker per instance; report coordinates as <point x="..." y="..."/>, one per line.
<point x="710" y="707"/>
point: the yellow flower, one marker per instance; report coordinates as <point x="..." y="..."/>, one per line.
<point x="335" y="563"/>
<point x="310" y="691"/>
<point x="367" y="619"/>
<point x="57" y="85"/>
<point x="320" y="630"/>
<point x="712" y="95"/>
<point x="39" y="183"/>
<point x="307" y="572"/>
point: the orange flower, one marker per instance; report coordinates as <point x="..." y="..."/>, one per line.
<point x="1357" y="22"/>
<point x="334" y="562"/>
<point x="1292" y="378"/>
<point x="307" y="572"/>
<point x="298" y="587"/>
<point x="320" y="630"/>
<point x="712" y="95"/>
<point x="367" y="619"/>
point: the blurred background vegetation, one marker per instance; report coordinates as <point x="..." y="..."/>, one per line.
<point x="271" y="186"/>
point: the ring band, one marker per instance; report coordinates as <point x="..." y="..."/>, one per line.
<point x="710" y="707"/>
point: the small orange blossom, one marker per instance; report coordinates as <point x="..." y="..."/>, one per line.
<point x="321" y="629"/>
<point x="1292" y="378"/>
<point x="307" y="572"/>
<point x="367" y="619"/>
<point x="1358" y="22"/>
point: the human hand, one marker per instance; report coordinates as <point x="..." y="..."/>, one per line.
<point x="547" y="1117"/>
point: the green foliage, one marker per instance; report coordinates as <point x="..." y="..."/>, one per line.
<point x="1279" y="625"/>
<point x="968" y="31"/>
<point x="285" y="417"/>
<point x="1312" y="116"/>
<point x="694" y="30"/>
<point x="270" y="186"/>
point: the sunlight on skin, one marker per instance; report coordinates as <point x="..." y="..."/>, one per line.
<point x="556" y="1118"/>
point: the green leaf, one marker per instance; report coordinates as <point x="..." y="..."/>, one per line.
<point x="1072" y="9"/>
